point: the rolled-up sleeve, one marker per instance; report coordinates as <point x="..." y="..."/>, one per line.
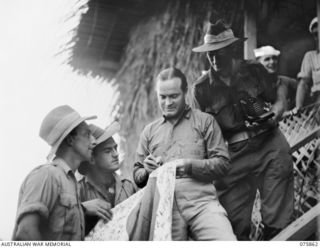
<point x="38" y="194"/>
<point x="216" y="164"/>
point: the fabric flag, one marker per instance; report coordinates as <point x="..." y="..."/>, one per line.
<point x="146" y="215"/>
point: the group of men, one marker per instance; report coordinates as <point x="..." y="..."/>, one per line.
<point x="226" y="145"/>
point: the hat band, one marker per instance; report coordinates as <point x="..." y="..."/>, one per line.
<point x="61" y="126"/>
<point x="225" y="35"/>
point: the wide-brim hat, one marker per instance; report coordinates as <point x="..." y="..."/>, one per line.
<point x="100" y="135"/>
<point x="218" y="36"/>
<point x="57" y="124"/>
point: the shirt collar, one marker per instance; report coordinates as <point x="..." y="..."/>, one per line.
<point x="117" y="178"/>
<point x="214" y="78"/>
<point x="118" y="182"/>
<point x="63" y="165"/>
<point x="186" y="114"/>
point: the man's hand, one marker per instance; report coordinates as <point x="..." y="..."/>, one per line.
<point x="295" y="110"/>
<point x="252" y="125"/>
<point x="151" y="163"/>
<point x="183" y="166"/>
<point x="98" y="207"/>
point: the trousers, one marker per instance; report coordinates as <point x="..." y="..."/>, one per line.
<point x="263" y="162"/>
<point x="197" y="213"/>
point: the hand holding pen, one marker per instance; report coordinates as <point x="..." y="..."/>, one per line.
<point x="151" y="162"/>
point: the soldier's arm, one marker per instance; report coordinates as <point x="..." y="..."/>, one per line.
<point x="38" y="196"/>
<point x="28" y="228"/>
<point x="217" y="163"/>
<point x="303" y="90"/>
<point x="280" y="104"/>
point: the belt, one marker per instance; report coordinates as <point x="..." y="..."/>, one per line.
<point x="245" y="135"/>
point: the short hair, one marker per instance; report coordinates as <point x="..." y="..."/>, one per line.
<point x="171" y="73"/>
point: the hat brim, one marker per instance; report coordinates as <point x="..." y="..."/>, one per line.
<point x="77" y="122"/>
<point x="113" y="128"/>
<point x="207" y="47"/>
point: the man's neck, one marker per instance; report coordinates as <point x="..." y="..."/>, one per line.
<point x="226" y="75"/>
<point x="101" y="177"/>
<point x="72" y="161"/>
<point x="174" y="121"/>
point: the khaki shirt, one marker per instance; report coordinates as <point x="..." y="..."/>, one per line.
<point x="310" y="68"/>
<point x="196" y="135"/>
<point x="213" y="96"/>
<point x="120" y="191"/>
<point x="51" y="190"/>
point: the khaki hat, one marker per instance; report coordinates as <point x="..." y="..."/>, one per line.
<point x="100" y="135"/>
<point x="265" y="51"/>
<point x="57" y="124"/>
<point x="218" y="36"/>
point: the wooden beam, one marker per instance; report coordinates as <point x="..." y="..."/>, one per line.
<point x="305" y="140"/>
<point x="301" y="228"/>
<point x="250" y="31"/>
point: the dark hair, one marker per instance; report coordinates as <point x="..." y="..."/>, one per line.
<point x="73" y="133"/>
<point x="173" y="72"/>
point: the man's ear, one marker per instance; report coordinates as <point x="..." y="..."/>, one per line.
<point x="92" y="160"/>
<point x="69" y="140"/>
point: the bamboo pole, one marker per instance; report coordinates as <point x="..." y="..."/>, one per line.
<point x="250" y="31"/>
<point x="318" y="15"/>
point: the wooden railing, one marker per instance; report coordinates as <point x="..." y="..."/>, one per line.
<point x="302" y="130"/>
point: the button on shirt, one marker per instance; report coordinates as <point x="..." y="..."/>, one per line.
<point x="51" y="191"/>
<point x="196" y="135"/>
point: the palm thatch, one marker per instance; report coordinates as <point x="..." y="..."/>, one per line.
<point x="163" y="40"/>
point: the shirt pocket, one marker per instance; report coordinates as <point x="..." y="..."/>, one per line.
<point x="68" y="205"/>
<point x="194" y="149"/>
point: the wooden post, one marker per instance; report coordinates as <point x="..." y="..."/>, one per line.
<point x="250" y="31"/>
<point x="318" y="15"/>
<point x="318" y="181"/>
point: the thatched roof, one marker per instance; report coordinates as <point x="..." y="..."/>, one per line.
<point x="103" y="33"/>
<point x="104" y="30"/>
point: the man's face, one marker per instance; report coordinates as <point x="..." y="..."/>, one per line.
<point x="171" y="97"/>
<point x="270" y="62"/>
<point x="314" y="32"/>
<point x="221" y="60"/>
<point x="83" y="142"/>
<point x="106" y="156"/>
